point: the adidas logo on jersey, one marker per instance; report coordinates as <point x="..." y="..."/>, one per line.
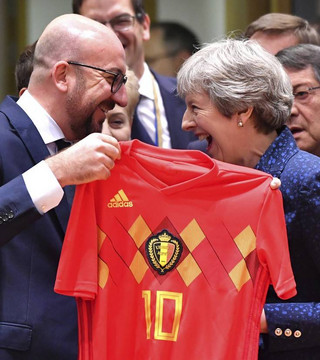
<point x="120" y="200"/>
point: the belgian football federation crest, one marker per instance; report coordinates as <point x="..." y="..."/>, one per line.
<point x="163" y="251"/>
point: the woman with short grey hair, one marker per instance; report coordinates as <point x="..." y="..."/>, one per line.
<point x="239" y="98"/>
<point x="238" y="75"/>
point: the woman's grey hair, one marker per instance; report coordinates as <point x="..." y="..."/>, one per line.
<point x="238" y="74"/>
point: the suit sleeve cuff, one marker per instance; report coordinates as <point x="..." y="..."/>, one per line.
<point x="43" y="187"/>
<point x="292" y="326"/>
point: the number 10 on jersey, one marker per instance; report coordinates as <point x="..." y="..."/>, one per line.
<point x="167" y="314"/>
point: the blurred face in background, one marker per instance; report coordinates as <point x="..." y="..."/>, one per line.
<point x="274" y="42"/>
<point x="304" y="122"/>
<point x="158" y="57"/>
<point x="118" y="123"/>
<point x="120" y="16"/>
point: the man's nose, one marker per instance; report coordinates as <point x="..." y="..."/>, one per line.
<point x="294" y="112"/>
<point x="120" y="97"/>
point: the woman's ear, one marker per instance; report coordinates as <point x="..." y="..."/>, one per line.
<point x="59" y="75"/>
<point x="243" y="116"/>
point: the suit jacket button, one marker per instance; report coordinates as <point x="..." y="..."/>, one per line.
<point x="297" y="334"/>
<point x="278" y="331"/>
<point x="288" y="332"/>
<point x="10" y="215"/>
<point x="5" y="217"/>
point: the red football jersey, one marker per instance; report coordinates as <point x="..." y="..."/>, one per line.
<point x="172" y="256"/>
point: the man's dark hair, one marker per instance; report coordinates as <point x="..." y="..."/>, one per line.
<point x="300" y="57"/>
<point x="177" y="37"/>
<point x="136" y="4"/>
<point x="24" y="67"/>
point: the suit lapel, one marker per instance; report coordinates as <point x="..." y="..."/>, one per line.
<point x="172" y="107"/>
<point x="25" y="128"/>
<point x="34" y="144"/>
<point x="138" y="131"/>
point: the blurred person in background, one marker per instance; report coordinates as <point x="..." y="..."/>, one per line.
<point x="276" y="31"/>
<point x="302" y="64"/>
<point x="119" y="120"/>
<point x="24" y="67"/>
<point x="159" y="112"/>
<point x="170" y="45"/>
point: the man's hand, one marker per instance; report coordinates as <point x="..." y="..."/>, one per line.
<point x="90" y="159"/>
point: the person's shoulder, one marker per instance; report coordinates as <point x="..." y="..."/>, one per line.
<point x="13" y="121"/>
<point x="302" y="173"/>
<point x="242" y="173"/>
<point x="304" y="163"/>
<point x="7" y="106"/>
<point x="11" y="110"/>
<point x="8" y="102"/>
<point x="246" y="179"/>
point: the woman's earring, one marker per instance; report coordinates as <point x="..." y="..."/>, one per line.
<point x="240" y="123"/>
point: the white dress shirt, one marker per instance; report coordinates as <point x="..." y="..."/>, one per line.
<point x="43" y="187"/>
<point x="146" y="108"/>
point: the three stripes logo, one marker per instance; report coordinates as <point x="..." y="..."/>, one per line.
<point x="120" y="200"/>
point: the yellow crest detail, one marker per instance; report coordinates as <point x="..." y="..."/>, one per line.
<point x="163" y="251"/>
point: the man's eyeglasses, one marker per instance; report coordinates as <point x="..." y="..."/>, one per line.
<point x="304" y="94"/>
<point x="121" y="23"/>
<point x="118" y="80"/>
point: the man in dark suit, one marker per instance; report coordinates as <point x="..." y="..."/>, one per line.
<point x="159" y="113"/>
<point x="77" y="77"/>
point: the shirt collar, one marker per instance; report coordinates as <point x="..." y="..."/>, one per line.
<point x="146" y="83"/>
<point x="47" y="127"/>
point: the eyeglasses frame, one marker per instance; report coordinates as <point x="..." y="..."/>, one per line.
<point x="124" y="77"/>
<point x="133" y="17"/>
<point x="308" y="90"/>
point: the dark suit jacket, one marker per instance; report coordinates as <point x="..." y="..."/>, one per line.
<point x="174" y="109"/>
<point x="35" y="323"/>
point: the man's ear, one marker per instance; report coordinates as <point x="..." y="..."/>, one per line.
<point x="146" y="28"/>
<point x="22" y="90"/>
<point x="60" y="75"/>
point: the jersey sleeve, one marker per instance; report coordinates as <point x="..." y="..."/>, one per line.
<point x="273" y="250"/>
<point x="77" y="270"/>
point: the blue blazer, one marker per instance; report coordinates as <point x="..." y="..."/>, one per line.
<point x="35" y="323"/>
<point x="174" y="109"/>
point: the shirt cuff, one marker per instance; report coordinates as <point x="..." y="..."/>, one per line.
<point x="43" y="187"/>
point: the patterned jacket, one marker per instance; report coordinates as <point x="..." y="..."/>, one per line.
<point x="294" y="325"/>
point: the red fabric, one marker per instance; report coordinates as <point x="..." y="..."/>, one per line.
<point x="196" y="310"/>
